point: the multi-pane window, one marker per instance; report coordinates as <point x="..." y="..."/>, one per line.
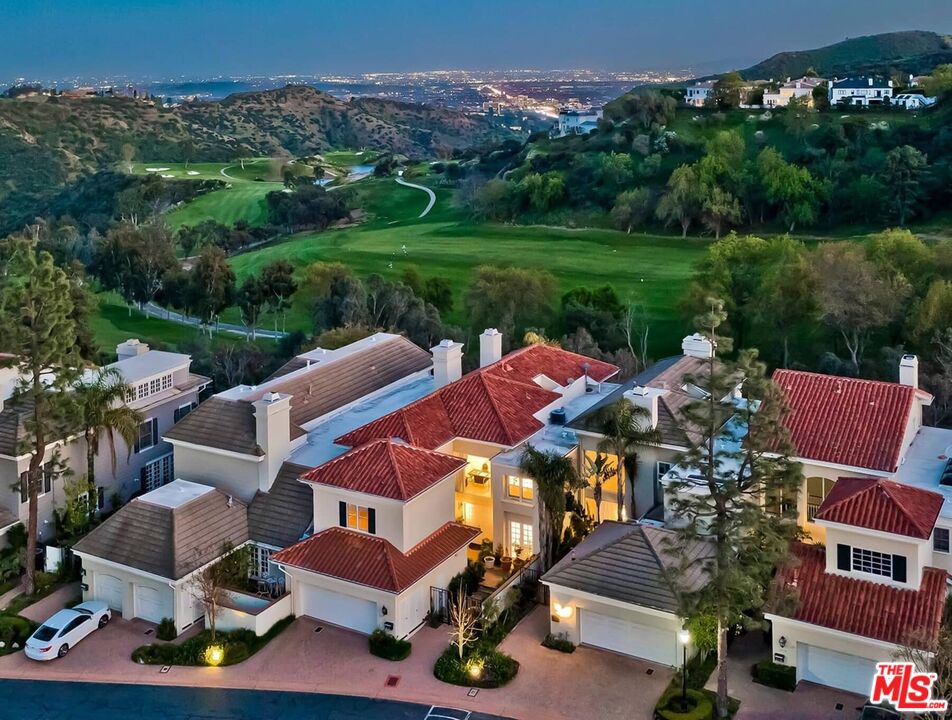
<point x="183" y="410"/>
<point x="157" y="473"/>
<point x="148" y="435"/>
<point x="661" y="469"/>
<point x="940" y="540"/>
<point x="357" y="517"/>
<point x="520" y="536"/>
<point x="260" y="561"/>
<point x="872" y="562"/>
<point x="520" y="488"/>
<point x="151" y="387"/>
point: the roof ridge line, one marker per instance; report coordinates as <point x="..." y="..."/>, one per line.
<point x="352" y="451"/>
<point x="396" y="471"/>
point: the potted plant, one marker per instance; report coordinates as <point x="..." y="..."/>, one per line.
<point x="497" y="553"/>
<point x="518" y="562"/>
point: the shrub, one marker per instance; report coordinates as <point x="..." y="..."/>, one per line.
<point x="482" y="667"/>
<point x="559" y="642"/>
<point x="14" y="630"/>
<point x="385" y="645"/>
<point x="166" y="630"/>
<point x="773" y="675"/>
<point x="469" y="578"/>
<point x="239" y="645"/>
<point x="699" y="706"/>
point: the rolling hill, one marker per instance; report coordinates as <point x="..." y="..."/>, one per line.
<point x="912" y="51"/>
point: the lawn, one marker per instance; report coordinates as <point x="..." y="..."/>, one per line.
<point x="245" y="201"/>
<point x="650" y="269"/>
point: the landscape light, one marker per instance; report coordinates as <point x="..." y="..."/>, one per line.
<point x="214" y="654"/>
<point x="475" y="668"/>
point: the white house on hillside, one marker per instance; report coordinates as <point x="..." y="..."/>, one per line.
<point x="578" y="122"/>
<point x="864" y="91"/>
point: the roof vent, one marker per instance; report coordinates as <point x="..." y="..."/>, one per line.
<point x="272" y="397"/>
<point x="946" y="478"/>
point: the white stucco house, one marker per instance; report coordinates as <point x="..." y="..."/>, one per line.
<point x="698" y="94"/>
<point x="914" y="101"/>
<point x="863" y="91"/>
<point x="577" y="122"/>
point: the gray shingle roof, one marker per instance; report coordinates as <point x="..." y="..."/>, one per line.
<point x="280" y="516"/>
<point x="228" y="424"/>
<point x="169" y="542"/>
<point x="625" y="562"/>
<point x="859" y="83"/>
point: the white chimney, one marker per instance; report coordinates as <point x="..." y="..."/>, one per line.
<point x="646" y="398"/>
<point x="490" y="347"/>
<point x="447" y="362"/>
<point x="909" y="371"/>
<point x="698" y="346"/>
<point x="130" y="349"/>
<point x="273" y="435"/>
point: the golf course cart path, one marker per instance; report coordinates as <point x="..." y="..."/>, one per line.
<point x="428" y="191"/>
<point x="154" y="310"/>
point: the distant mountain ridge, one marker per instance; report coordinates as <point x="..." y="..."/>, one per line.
<point x="910" y="51"/>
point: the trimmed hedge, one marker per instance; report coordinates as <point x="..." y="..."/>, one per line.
<point x="14" y="630"/>
<point x="496" y="668"/>
<point x="386" y="646"/>
<point x="238" y="645"/>
<point x="773" y="675"/>
<point x="559" y="642"/>
<point x="166" y="630"/>
<point x="699" y="706"/>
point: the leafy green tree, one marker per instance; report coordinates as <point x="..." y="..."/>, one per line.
<point x="854" y="297"/>
<point x="718" y="209"/>
<point x="101" y="401"/>
<point x="38" y="331"/>
<point x="798" y="117"/>
<point x="438" y="291"/>
<point x="134" y="260"/>
<point x="633" y="208"/>
<point x="251" y="299"/>
<point x="728" y="90"/>
<point x="508" y="298"/>
<point x="790" y="188"/>
<point x="735" y="491"/>
<point x="278" y="286"/>
<point x="682" y="200"/>
<point x="212" y="284"/>
<point x="554" y="475"/>
<point x="939" y="82"/>
<point x="903" y="173"/>
<point x="543" y="191"/>
<point x="902" y="256"/>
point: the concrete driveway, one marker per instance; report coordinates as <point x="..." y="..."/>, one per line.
<point x="550" y="684"/>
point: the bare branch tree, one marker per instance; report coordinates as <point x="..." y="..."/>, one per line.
<point x="464" y="621"/>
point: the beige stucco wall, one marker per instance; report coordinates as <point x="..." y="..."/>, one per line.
<point x="259" y="624"/>
<point x="388" y="514"/>
<point x="428" y="511"/>
<point x="232" y="474"/>
<point x="795" y="633"/>
<point x="566" y="597"/>
<point x="413" y="604"/>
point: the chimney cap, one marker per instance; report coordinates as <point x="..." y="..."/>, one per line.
<point x="490" y="331"/>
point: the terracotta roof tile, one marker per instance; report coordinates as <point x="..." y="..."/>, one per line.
<point x="861" y="607"/>
<point x="493" y="404"/>
<point x="386" y="468"/>
<point x="846" y="421"/>
<point x="372" y="561"/>
<point x="882" y="505"/>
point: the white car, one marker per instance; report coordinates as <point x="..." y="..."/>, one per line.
<point x="60" y="633"/>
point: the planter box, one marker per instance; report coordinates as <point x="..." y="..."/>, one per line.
<point x="250" y="612"/>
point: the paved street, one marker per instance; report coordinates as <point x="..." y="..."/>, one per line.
<point x="31" y="700"/>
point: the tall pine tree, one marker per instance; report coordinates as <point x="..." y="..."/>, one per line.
<point x="38" y="330"/>
<point x="736" y="489"/>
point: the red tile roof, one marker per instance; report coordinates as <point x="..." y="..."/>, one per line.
<point x="882" y="505"/>
<point x="372" y="561"/>
<point x="861" y="607"/>
<point x="387" y="468"/>
<point x="846" y="421"/>
<point x="494" y="404"/>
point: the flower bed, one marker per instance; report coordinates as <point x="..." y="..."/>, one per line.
<point x="236" y="646"/>
<point x="698" y="706"/>
<point x="483" y="666"/>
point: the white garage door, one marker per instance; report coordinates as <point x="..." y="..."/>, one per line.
<point x="835" y="669"/>
<point x="628" y="637"/>
<point x="337" y="608"/>
<point x="152" y="604"/>
<point x="111" y="590"/>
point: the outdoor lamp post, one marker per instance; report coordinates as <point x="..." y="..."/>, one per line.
<point x="685" y="637"/>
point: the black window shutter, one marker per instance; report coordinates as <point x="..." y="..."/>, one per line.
<point x="371" y="521"/>
<point x="899" y="568"/>
<point x="155" y="432"/>
<point x="24" y="486"/>
<point x="843" y="553"/>
<point x="343" y="513"/>
<point x="142" y="474"/>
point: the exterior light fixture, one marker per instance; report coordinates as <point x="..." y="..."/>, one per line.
<point x="475" y="668"/>
<point x="383" y="609"/>
<point x="684" y="635"/>
<point x="214" y="654"/>
<point x="782" y="642"/>
<point x="563" y="611"/>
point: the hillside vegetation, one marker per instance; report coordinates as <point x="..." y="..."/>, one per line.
<point x="913" y="51"/>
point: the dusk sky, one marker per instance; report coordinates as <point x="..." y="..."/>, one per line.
<point x="46" y="39"/>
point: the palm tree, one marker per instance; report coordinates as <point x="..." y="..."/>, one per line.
<point x="553" y="475"/>
<point x="625" y="426"/>
<point x="599" y="469"/>
<point x="102" y="403"/>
